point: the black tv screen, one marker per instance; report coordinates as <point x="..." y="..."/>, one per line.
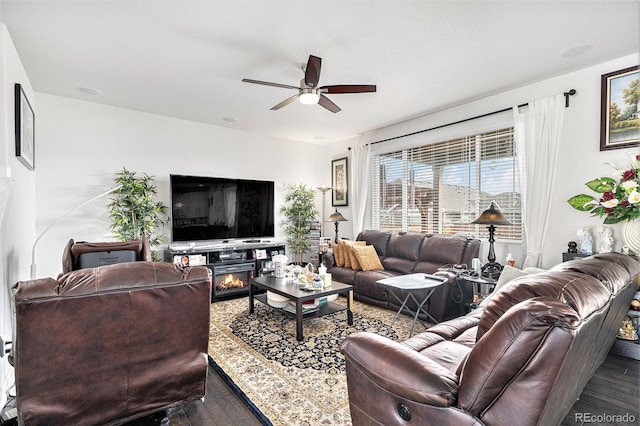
<point x="209" y="208"/>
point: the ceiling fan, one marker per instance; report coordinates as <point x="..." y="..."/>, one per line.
<point x="309" y="92"/>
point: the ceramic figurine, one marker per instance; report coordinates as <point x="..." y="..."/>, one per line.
<point x="586" y="240"/>
<point x="606" y="239"/>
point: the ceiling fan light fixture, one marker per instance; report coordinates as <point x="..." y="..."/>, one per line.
<point x="309" y="98"/>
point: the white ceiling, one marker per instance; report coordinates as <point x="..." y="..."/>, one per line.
<point x="186" y="59"/>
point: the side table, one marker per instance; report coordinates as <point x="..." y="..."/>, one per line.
<point x="477" y="281"/>
<point x="412" y="283"/>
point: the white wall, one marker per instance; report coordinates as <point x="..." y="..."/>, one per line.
<point x="580" y="158"/>
<point x="82" y="145"/>
<point x="18" y="221"/>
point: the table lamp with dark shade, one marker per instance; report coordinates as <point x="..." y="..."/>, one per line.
<point x="337" y="218"/>
<point x="492" y="217"/>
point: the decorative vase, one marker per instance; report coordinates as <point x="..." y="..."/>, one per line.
<point x="631" y="235"/>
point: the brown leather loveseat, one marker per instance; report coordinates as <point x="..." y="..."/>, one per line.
<point x="407" y="253"/>
<point x="106" y="345"/>
<point x="522" y="360"/>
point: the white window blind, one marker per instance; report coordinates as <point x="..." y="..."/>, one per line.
<point x="442" y="187"/>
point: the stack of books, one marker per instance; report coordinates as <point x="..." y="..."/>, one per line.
<point x="307" y="306"/>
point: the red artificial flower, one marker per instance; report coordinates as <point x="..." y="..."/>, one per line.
<point x="624" y="203"/>
<point x="629" y="175"/>
<point x="607" y="195"/>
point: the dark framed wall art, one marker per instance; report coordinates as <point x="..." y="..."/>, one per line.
<point x="339" y="183"/>
<point x="25" y="129"/>
<point x="620" y="109"/>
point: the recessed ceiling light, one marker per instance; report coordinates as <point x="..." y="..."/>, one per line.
<point x="576" y="50"/>
<point x="90" y="91"/>
<point x="231" y="120"/>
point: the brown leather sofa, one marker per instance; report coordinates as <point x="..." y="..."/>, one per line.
<point x="102" y="346"/>
<point x="407" y="253"/>
<point x="522" y="360"/>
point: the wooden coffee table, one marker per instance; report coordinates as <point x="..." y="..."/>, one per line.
<point x="288" y="288"/>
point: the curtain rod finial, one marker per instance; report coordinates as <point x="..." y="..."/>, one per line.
<point x="566" y="97"/>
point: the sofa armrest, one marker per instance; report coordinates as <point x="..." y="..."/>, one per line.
<point x="329" y="260"/>
<point x="400" y="370"/>
<point x="40" y="288"/>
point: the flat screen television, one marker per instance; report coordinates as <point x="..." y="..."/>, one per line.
<point x="210" y="208"/>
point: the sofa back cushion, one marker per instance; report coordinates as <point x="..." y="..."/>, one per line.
<point x="583" y="293"/>
<point x="518" y="360"/>
<point x="612" y="269"/>
<point x="402" y="252"/>
<point x="439" y="250"/>
<point x="378" y="239"/>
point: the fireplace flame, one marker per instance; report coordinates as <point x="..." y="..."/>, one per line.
<point x="230" y="281"/>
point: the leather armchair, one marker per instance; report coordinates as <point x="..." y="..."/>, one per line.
<point x="110" y="344"/>
<point x="525" y="358"/>
<point x="139" y="250"/>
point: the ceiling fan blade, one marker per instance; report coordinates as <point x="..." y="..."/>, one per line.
<point x="328" y="104"/>
<point x="266" y="83"/>
<point x="285" y="102"/>
<point x="312" y="73"/>
<point x="348" y="88"/>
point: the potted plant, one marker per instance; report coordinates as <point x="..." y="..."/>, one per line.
<point x="300" y="215"/>
<point x="133" y="210"/>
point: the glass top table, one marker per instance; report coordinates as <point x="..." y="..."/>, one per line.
<point x="411" y="284"/>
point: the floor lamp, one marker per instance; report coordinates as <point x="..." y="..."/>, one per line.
<point x="492" y="217"/>
<point x="324" y="190"/>
<point x="33" y="249"/>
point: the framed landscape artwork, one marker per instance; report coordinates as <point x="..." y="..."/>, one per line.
<point x="25" y="129"/>
<point x="620" y="110"/>
<point x="339" y="182"/>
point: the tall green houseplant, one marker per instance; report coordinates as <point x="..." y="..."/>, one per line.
<point x="299" y="214"/>
<point x="133" y="210"/>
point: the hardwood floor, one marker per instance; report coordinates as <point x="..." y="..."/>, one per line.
<point x="613" y="391"/>
<point x="221" y="407"/>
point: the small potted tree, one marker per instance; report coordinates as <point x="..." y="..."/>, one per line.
<point x="300" y="214"/>
<point x="133" y="210"/>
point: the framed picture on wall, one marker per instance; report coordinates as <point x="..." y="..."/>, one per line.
<point x="620" y="109"/>
<point x="25" y="129"/>
<point x="339" y="183"/>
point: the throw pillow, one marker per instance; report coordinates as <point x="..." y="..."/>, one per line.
<point x="338" y="254"/>
<point x="368" y="258"/>
<point x="355" y="263"/>
<point x="345" y="246"/>
<point x="509" y="273"/>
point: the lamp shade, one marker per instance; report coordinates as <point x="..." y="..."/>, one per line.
<point x="492" y="216"/>
<point x="336" y="217"/>
<point x="309" y="98"/>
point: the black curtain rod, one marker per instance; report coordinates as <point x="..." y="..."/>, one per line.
<point x="566" y="104"/>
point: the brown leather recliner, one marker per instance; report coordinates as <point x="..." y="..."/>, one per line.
<point x="523" y="360"/>
<point x="103" y="253"/>
<point x="105" y="345"/>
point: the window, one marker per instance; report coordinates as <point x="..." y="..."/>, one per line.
<point x="442" y="187"/>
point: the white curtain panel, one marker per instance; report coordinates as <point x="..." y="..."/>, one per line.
<point x="360" y="185"/>
<point x="537" y="133"/>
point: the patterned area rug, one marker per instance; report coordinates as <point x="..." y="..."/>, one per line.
<point x="291" y="382"/>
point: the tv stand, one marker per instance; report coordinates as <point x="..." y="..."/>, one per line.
<point x="248" y="257"/>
